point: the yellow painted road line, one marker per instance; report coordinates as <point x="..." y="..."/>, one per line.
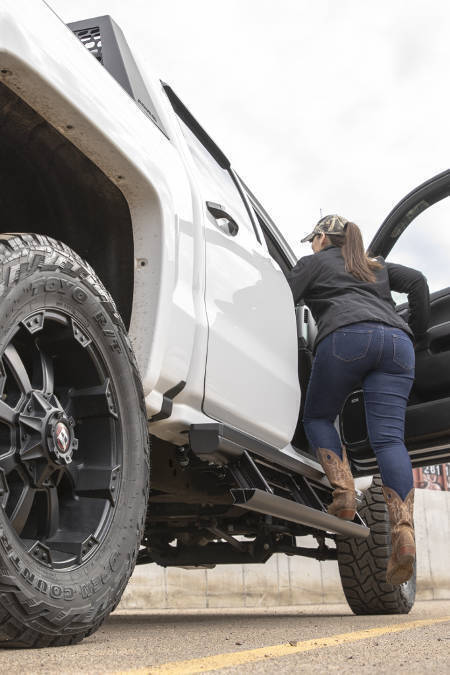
<point x="227" y="660"/>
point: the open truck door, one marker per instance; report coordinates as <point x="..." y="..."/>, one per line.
<point x="427" y="429"/>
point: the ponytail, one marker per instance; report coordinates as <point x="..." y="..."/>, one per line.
<point x="357" y="262"/>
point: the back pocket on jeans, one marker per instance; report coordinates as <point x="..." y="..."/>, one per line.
<point x="351" y="345"/>
<point x="403" y="354"/>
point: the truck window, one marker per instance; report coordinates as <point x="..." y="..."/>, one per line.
<point x="217" y="183"/>
<point x="423" y="246"/>
<point x="273" y="247"/>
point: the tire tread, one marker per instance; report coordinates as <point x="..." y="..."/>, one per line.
<point x="17" y="614"/>
<point x="362" y="563"/>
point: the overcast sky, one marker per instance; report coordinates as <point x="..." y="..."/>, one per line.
<point x="332" y="105"/>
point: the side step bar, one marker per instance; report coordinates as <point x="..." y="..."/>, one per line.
<point x="218" y="443"/>
<point x="265" y="502"/>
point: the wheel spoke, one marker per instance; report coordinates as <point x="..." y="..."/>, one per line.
<point x="32" y="448"/>
<point x="97" y="482"/>
<point x="2" y="378"/>
<point x="69" y="542"/>
<point x="8" y="462"/>
<point x="94" y="401"/>
<point x="7" y="414"/>
<point x="17" y="367"/>
<point x="52" y="511"/>
<point x="22" y="509"/>
<point x="4" y="490"/>
<point x="44" y="367"/>
<point x="42" y="473"/>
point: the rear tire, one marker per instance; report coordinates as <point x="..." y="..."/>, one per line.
<point x="74" y="447"/>
<point x="363" y="562"/>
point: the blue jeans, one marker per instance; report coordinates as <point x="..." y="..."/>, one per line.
<point x="380" y="360"/>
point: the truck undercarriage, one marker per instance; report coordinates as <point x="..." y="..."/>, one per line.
<point x="211" y="491"/>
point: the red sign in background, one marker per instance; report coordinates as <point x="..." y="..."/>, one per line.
<point x="433" y="477"/>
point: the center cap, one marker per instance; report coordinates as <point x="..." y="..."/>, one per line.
<point x="62" y="436"/>
<point x="45" y="426"/>
<point x="61" y="441"/>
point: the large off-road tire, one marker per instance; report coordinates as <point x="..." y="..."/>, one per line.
<point x="363" y="562"/>
<point x="74" y="448"/>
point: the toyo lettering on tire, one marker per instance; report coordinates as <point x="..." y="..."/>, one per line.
<point x="74" y="448"/>
<point x="363" y="562"/>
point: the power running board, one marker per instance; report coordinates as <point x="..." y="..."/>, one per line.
<point x="260" y="501"/>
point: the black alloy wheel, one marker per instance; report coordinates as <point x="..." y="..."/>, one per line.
<point x="60" y="449"/>
<point x="74" y="453"/>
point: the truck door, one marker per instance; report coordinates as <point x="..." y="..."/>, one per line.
<point x="416" y="233"/>
<point x="251" y="378"/>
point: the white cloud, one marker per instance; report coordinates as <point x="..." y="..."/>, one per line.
<point x="333" y="105"/>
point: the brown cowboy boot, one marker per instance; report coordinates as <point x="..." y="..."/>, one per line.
<point x="339" y="474"/>
<point x="401" y="515"/>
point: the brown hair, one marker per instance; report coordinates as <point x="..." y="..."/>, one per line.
<point x="357" y="262"/>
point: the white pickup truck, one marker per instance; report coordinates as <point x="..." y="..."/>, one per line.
<point x="124" y="224"/>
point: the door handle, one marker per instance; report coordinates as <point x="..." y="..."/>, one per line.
<point x="224" y="221"/>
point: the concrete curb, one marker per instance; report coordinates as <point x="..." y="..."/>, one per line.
<point x="290" y="580"/>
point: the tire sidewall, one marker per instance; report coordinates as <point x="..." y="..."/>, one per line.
<point x="403" y="594"/>
<point x="98" y="581"/>
<point x="363" y="562"/>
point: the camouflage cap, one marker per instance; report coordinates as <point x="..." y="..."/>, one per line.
<point x="328" y="225"/>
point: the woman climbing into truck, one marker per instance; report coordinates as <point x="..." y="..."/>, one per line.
<point x="362" y="342"/>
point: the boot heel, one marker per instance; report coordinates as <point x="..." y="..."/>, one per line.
<point x="406" y="554"/>
<point x="400" y="572"/>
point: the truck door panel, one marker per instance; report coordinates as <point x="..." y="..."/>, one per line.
<point x="280" y="251"/>
<point x="251" y="369"/>
<point x="250" y="378"/>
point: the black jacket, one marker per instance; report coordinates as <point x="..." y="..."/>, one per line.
<point x="336" y="298"/>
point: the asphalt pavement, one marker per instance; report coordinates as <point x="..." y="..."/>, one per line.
<point x="313" y="639"/>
